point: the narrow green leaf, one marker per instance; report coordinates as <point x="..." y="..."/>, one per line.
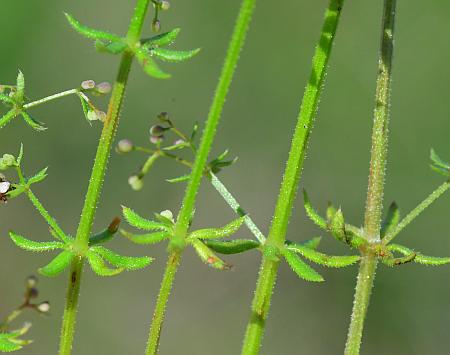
<point x="41" y="175"/>
<point x="20" y="93"/>
<point x="19" y="189"/>
<point x="438" y="164"/>
<point x="6" y="99"/>
<point x="149" y="65"/>
<point x="31" y="245"/>
<point x="312" y="243"/>
<point x="420" y="258"/>
<point x="331" y="211"/>
<point x="150" y="238"/>
<point x="7" y="345"/>
<point x="140" y="222"/>
<point x="391" y="220"/>
<point x="85" y="107"/>
<point x="173" y="56"/>
<point x="115" y="47"/>
<point x="208" y="256"/>
<point x="179" y="179"/>
<point x="7" y="117"/>
<point x="177" y="146"/>
<point x="163" y="39"/>
<point x="215" y="233"/>
<point x="337" y="226"/>
<point x="235" y="246"/>
<point x="58" y="264"/>
<point x="89" y="32"/>
<point x="323" y="259"/>
<point x="126" y="262"/>
<point x="20" y="156"/>
<point x="302" y="269"/>
<point x="106" y="234"/>
<point x="312" y="214"/>
<point x="16" y="333"/>
<point x="36" y="125"/>
<point x="99" y="266"/>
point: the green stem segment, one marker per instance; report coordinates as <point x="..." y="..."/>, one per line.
<point x="374" y="204"/>
<point x="178" y="241"/>
<point x="288" y="190"/>
<point x="97" y="177"/>
<point x="161" y="303"/>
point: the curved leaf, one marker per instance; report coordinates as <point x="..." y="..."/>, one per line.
<point x="99" y="266"/>
<point x="149" y="65"/>
<point x="163" y="39"/>
<point x="58" y="264"/>
<point x="438" y="165"/>
<point x="90" y="32"/>
<point x="169" y="55"/>
<point x="208" y="256"/>
<point x="31" y="245"/>
<point x="391" y="220"/>
<point x="323" y="259"/>
<point x="36" y="125"/>
<point x="302" y="269"/>
<point x="106" y="234"/>
<point x="419" y="258"/>
<point x="115" y="47"/>
<point x="126" y="262"/>
<point x="41" y="175"/>
<point x="20" y="93"/>
<point x="140" y="222"/>
<point x="150" y="238"/>
<point x="235" y="246"/>
<point x="337" y="225"/>
<point x="312" y="214"/>
<point x="214" y="233"/>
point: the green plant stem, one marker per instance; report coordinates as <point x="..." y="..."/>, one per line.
<point x="178" y="241"/>
<point x="51" y="98"/>
<point x="161" y="303"/>
<point x="417" y="211"/>
<point x="234" y="50"/>
<point x="236" y="207"/>
<point x="97" y="177"/>
<point x="374" y="204"/>
<point x="149" y="163"/>
<point x="277" y="233"/>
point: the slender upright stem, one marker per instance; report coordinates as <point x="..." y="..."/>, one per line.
<point x="178" y="242"/>
<point x="374" y="205"/>
<point x="161" y="303"/>
<point x="288" y="190"/>
<point x="97" y="177"/>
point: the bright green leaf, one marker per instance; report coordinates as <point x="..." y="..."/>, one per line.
<point x="235" y="246"/>
<point x="337" y="226"/>
<point x="312" y="214"/>
<point x="9" y="340"/>
<point x="36" y="125"/>
<point x="41" y="175"/>
<point x="6" y="99"/>
<point x="150" y="238"/>
<point x="323" y="259"/>
<point x="149" y="65"/>
<point x="163" y="39"/>
<point x="31" y="245"/>
<point x="20" y="156"/>
<point x="215" y="233"/>
<point x="179" y="179"/>
<point x="7" y="117"/>
<point x="208" y="256"/>
<point x="58" y="264"/>
<point x="419" y="258"/>
<point x="140" y="222"/>
<point x="439" y="165"/>
<point x="302" y="269"/>
<point x="89" y="32"/>
<point x="126" y="262"/>
<point x="312" y="243"/>
<point x="99" y="266"/>
<point x="20" y="93"/>
<point x="169" y="55"/>
<point x="391" y="220"/>
<point x="115" y="47"/>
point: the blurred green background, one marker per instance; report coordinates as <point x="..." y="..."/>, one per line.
<point x="208" y="310"/>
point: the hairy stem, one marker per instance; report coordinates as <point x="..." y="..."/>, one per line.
<point x="161" y="303"/>
<point x="51" y="98"/>
<point x="374" y="204"/>
<point x="178" y="241"/>
<point x="417" y="211"/>
<point x="288" y="190"/>
<point x="97" y="177"/>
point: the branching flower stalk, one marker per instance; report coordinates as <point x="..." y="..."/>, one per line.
<point x="97" y="177"/>
<point x="178" y="242"/>
<point x="374" y="204"/>
<point x="277" y="233"/>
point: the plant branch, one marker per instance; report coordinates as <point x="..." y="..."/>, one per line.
<point x="97" y="177"/>
<point x="51" y="98"/>
<point x="374" y="204"/>
<point x="283" y="210"/>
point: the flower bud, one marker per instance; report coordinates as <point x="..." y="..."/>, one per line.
<point x="44" y="307"/>
<point x="96" y="115"/>
<point x="32" y="281"/>
<point x="156" y="26"/>
<point x="135" y="182"/>
<point x="165" y="5"/>
<point x="7" y="161"/>
<point x="168" y="214"/>
<point x="88" y="84"/>
<point x="164" y="117"/>
<point x="156" y="140"/>
<point x="104" y="88"/>
<point x="125" y="146"/>
<point x="157" y="131"/>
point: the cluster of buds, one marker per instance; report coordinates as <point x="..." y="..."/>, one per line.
<point x="31" y="292"/>
<point x="89" y="86"/>
<point x="7" y="161"/>
<point x="97" y="89"/>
